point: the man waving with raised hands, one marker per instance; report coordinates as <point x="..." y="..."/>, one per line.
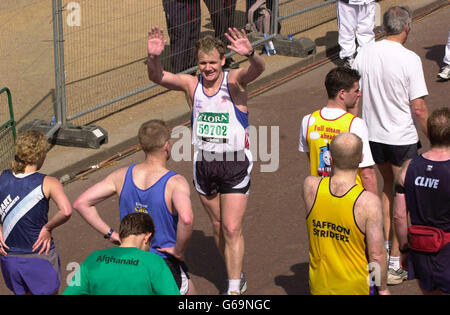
<point x="219" y="119"/>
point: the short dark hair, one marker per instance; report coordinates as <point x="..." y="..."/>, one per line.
<point x="153" y="135"/>
<point x="340" y="78"/>
<point x="438" y="126"/>
<point x="136" y="223"/>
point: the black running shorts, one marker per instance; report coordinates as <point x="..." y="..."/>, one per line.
<point x="394" y="154"/>
<point x="223" y="173"/>
<point x="180" y="273"/>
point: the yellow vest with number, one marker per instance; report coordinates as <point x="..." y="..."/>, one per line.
<point x="337" y="248"/>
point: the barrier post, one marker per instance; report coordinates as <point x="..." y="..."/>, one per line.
<point x="11" y="122"/>
<point x="6" y="130"/>
<point x="274" y="19"/>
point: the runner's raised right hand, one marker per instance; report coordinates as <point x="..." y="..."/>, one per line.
<point x="155" y="41"/>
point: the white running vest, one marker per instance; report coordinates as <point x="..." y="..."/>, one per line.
<point x="217" y="124"/>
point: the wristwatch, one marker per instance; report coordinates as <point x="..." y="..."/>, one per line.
<point x="108" y="235"/>
<point x="250" y="54"/>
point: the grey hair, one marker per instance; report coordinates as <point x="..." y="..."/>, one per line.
<point x="395" y="20"/>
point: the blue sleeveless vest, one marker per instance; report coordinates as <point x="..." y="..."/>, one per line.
<point x="23" y="210"/>
<point x="151" y="201"/>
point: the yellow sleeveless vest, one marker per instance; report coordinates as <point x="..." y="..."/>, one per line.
<point x="337" y="248"/>
<point x="319" y="134"/>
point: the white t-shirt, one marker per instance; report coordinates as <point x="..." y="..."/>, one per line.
<point x="391" y="77"/>
<point x="358" y="127"/>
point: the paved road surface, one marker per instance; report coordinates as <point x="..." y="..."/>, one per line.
<point x="276" y="260"/>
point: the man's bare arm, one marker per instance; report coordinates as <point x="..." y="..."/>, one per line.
<point x="369" y="179"/>
<point x="156" y="73"/>
<point x="253" y="71"/>
<point x="241" y="45"/>
<point x="310" y="187"/>
<point x="181" y="202"/>
<point x="369" y="207"/>
<point x="420" y="112"/>
<point x="85" y="203"/>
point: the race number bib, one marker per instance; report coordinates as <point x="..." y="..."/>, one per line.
<point x="213" y="126"/>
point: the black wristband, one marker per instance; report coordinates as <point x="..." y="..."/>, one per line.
<point x="250" y="54"/>
<point x="404" y="250"/>
<point x="108" y="235"/>
<point x="399" y="189"/>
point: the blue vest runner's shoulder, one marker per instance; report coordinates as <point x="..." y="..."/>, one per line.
<point x="151" y="201"/>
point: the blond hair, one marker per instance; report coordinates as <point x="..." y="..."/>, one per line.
<point x="438" y="126"/>
<point x="208" y="43"/>
<point x="30" y="149"/>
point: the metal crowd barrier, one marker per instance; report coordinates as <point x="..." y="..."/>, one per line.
<point x="7" y="131"/>
<point x="104" y="54"/>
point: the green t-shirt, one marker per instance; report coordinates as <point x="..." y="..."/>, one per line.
<point x="123" y="271"/>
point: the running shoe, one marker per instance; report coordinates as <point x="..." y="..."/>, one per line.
<point x="395" y="277"/>
<point x="348" y="62"/>
<point x="445" y="73"/>
<point x="242" y="288"/>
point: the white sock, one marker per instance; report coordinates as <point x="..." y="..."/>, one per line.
<point x="394" y="263"/>
<point x="234" y="285"/>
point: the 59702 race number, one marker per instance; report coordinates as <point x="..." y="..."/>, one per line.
<point x="212" y="130"/>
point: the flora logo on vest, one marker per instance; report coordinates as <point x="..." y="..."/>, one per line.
<point x="218" y="118"/>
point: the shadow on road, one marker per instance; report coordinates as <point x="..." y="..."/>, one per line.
<point x="204" y="260"/>
<point x="296" y="284"/>
<point x="436" y="53"/>
<point x="331" y="48"/>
